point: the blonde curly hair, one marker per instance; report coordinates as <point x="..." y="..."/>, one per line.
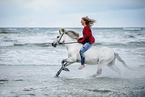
<point x="89" y="22"/>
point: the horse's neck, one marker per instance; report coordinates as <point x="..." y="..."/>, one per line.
<point x="68" y="39"/>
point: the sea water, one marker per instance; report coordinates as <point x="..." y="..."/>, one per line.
<point x="31" y="48"/>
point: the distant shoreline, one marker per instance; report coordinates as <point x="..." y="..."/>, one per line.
<point x="73" y="27"/>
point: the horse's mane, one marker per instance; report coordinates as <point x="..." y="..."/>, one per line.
<point x="71" y="33"/>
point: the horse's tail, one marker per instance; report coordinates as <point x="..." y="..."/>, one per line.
<point x="119" y="58"/>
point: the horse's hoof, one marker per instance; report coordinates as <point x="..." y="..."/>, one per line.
<point x="56" y="75"/>
<point x="65" y="69"/>
<point x="94" y="75"/>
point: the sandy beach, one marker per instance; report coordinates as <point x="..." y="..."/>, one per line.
<point x="26" y="81"/>
<point x="40" y="81"/>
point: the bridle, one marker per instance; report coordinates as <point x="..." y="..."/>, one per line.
<point x="62" y="43"/>
<point x="60" y="38"/>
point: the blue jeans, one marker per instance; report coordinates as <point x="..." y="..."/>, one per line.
<point x="83" y="49"/>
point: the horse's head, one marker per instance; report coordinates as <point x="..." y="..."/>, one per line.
<point x="59" y="39"/>
<point x="62" y="37"/>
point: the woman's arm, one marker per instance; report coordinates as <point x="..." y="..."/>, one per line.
<point x="86" y="34"/>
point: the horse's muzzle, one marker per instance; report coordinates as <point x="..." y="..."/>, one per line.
<point x="54" y="44"/>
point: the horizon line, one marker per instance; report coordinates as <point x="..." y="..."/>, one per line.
<point x="68" y="27"/>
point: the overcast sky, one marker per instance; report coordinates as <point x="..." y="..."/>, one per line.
<point x="68" y="13"/>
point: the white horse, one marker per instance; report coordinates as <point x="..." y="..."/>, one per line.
<point x="95" y="55"/>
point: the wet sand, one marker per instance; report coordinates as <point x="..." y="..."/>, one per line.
<point x="39" y="81"/>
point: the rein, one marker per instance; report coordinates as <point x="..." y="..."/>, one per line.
<point x="68" y="43"/>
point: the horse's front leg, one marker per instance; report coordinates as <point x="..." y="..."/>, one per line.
<point x="67" y="62"/>
<point x="64" y="64"/>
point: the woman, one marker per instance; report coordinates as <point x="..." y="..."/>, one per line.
<point x="87" y="38"/>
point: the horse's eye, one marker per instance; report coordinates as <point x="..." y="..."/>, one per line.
<point x="58" y="36"/>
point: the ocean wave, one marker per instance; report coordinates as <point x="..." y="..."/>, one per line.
<point x="128" y="44"/>
<point x="14" y="64"/>
<point x="34" y="44"/>
<point x="28" y="30"/>
<point x="136" y="43"/>
<point x="130" y="36"/>
<point x="9" y="32"/>
<point x="132" y="29"/>
<point x="25" y="44"/>
<point x="10" y="44"/>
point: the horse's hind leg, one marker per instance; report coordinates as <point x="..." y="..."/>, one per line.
<point x="100" y="67"/>
<point x="113" y="67"/>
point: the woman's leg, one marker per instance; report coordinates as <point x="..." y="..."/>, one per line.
<point x="84" y="49"/>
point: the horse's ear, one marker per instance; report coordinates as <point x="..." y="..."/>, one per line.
<point x="59" y="32"/>
<point x="62" y="30"/>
